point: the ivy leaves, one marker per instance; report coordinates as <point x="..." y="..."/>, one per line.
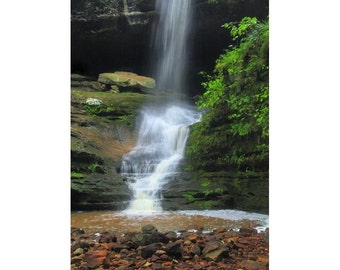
<point x="240" y="79"/>
<point x="236" y="128"/>
<point x="242" y="28"/>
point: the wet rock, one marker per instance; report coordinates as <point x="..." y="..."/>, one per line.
<point x="171" y="235"/>
<point x="149" y="228"/>
<point x="83" y="266"/>
<point x="210" y="246"/>
<point x="192" y="238"/>
<point x="117" y="247"/>
<point x="218" y="255"/>
<point x="253" y="265"/>
<point x="157" y="266"/>
<point x="124" y="252"/>
<point x="107" y="237"/>
<point x="174" y="249"/>
<point x="80" y="244"/>
<point x="195" y="250"/>
<point x="77" y="259"/>
<point x="220" y="230"/>
<point x="247" y="231"/>
<point x="78" y="251"/>
<point x="149" y="250"/>
<point x="77" y="231"/>
<point x="266" y="235"/>
<point x="149" y="238"/>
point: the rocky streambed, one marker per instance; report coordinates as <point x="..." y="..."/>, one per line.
<point x="223" y="248"/>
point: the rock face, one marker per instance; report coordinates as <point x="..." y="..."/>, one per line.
<point x="108" y="35"/>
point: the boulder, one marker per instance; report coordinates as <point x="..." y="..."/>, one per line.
<point x="127" y="79"/>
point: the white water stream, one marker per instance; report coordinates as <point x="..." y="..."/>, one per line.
<point x="160" y="147"/>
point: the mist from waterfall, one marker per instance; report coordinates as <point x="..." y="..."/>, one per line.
<point x="164" y="129"/>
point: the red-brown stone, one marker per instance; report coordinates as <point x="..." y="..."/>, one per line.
<point x="97" y="258"/>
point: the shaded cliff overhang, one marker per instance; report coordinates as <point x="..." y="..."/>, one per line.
<point x="110" y="35"/>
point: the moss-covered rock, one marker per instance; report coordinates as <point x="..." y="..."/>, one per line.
<point x="102" y="131"/>
<point x="127" y="80"/>
<point x="218" y="190"/>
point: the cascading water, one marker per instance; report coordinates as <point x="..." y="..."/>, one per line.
<point x="160" y="147"/>
<point x="164" y="129"/>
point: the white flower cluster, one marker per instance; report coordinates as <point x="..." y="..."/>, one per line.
<point x="93" y="102"/>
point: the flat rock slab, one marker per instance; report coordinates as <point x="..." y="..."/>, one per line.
<point x="127" y="79"/>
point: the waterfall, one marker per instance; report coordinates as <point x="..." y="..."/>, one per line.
<point x="171" y="42"/>
<point x="164" y="129"/>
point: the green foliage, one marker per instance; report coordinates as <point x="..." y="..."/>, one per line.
<point x="190" y="196"/>
<point x="77" y="175"/>
<point x="234" y="132"/>
<point x="101" y="109"/>
<point x="205" y="183"/>
<point x="95" y="167"/>
<point x="242" y="28"/>
<point x="206" y="205"/>
<point x="213" y="192"/>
